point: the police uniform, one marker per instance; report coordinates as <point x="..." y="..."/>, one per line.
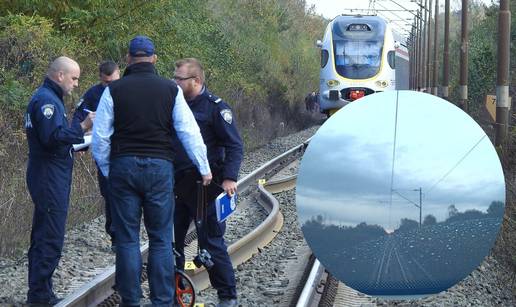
<point x="225" y="154"/>
<point x="49" y="176"/>
<point x="90" y="101"/>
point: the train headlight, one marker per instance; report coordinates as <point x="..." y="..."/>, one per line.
<point x="381" y="83"/>
<point x="333" y="83"/>
<point x="356" y="94"/>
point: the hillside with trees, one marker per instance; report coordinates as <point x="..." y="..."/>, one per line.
<point x="259" y="56"/>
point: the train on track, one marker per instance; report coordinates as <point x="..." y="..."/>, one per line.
<point x="360" y="55"/>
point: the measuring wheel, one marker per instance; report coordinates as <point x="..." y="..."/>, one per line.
<point x="185" y="290"/>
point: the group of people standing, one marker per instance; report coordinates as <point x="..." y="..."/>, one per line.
<point x="147" y="133"/>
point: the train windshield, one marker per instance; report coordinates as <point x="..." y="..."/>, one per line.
<point x="357" y="46"/>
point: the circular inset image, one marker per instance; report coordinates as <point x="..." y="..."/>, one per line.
<point x="400" y="194"/>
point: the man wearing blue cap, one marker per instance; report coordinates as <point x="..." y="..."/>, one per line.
<point x="136" y="120"/>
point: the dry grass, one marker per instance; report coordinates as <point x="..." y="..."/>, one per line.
<point x="258" y="123"/>
<point x="15" y="204"/>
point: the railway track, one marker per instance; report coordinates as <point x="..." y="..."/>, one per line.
<point x="311" y="286"/>
<point x="99" y="290"/>
<point x="321" y="290"/>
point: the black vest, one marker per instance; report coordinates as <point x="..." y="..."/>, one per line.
<point x="142" y="106"/>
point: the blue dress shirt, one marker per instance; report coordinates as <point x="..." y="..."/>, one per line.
<point x="183" y="120"/>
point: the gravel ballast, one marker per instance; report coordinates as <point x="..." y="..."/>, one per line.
<point x="263" y="280"/>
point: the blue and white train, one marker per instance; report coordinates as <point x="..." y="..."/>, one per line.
<point x="359" y="56"/>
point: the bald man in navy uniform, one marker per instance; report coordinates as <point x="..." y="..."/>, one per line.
<point x="49" y="173"/>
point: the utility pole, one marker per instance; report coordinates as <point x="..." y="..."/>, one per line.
<point x="425" y="50"/>
<point x="446" y="59"/>
<point x="429" y="44"/>
<point x="463" y="83"/>
<point x="502" y="79"/>
<point x="436" y="47"/>
<point x="412" y="56"/>
<point x="418" y="51"/>
<point x="420" y="205"/>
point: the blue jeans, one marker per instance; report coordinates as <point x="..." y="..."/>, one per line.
<point x="143" y="184"/>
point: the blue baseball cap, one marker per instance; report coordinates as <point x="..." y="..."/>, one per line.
<point x="141" y="46"/>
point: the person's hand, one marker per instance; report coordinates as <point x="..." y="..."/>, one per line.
<point x="229" y="186"/>
<point x="206" y="179"/>
<point x="87" y="123"/>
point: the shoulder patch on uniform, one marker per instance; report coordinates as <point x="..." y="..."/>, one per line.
<point x="227" y="115"/>
<point x="214" y="98"/>
<point x="48" y="110"/>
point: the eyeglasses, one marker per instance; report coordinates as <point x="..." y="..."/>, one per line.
<point x="177" y="78"/>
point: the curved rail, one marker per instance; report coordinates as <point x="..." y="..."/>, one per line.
<point x="100" y="288"/>
<point x="281" y="185"/>
<point x="243" y="249"/>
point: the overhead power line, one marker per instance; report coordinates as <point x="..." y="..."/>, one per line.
<point x="456" y="164"/>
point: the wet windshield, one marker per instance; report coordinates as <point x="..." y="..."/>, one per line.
<point x="358" y="59"/>
<point x="357" y="46"/>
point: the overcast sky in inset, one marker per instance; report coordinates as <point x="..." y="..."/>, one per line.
<point x="346" y="172"/>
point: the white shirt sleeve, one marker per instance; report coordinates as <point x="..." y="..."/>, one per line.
<point x="102" y="131"/>
<point x="189" y="133"/>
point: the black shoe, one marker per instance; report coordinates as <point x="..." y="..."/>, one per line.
<point x="55" y="301"/>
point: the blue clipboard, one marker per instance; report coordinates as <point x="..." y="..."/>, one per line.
<point x="225" y="205"/>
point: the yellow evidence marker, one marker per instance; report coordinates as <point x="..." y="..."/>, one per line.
<point x="189" y="266"/>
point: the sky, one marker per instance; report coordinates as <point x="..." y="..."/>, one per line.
<point x="346" y="171"/>
<point x="331" y="8"/>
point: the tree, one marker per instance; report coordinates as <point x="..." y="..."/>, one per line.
<point x="429" y="220"/>
<point x="407" y="225"/>
<point x="496" y="209"/>
<point x="452" y="211"/>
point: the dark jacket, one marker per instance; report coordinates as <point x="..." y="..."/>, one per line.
<point x="90" y="100"/>
<point x="142" y="106"/>
<point x="48" y="131"/>
<point x="220" y="134"/>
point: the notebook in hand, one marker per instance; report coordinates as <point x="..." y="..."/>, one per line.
<point x="225" y="205"/>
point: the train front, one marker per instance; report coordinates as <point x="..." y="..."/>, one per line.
<point x="354" y="62"/>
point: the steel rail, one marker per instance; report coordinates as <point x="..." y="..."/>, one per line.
<point x="243" y="249"/>
<point x="309" y="290"/>
<point x="100" y="288"/>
